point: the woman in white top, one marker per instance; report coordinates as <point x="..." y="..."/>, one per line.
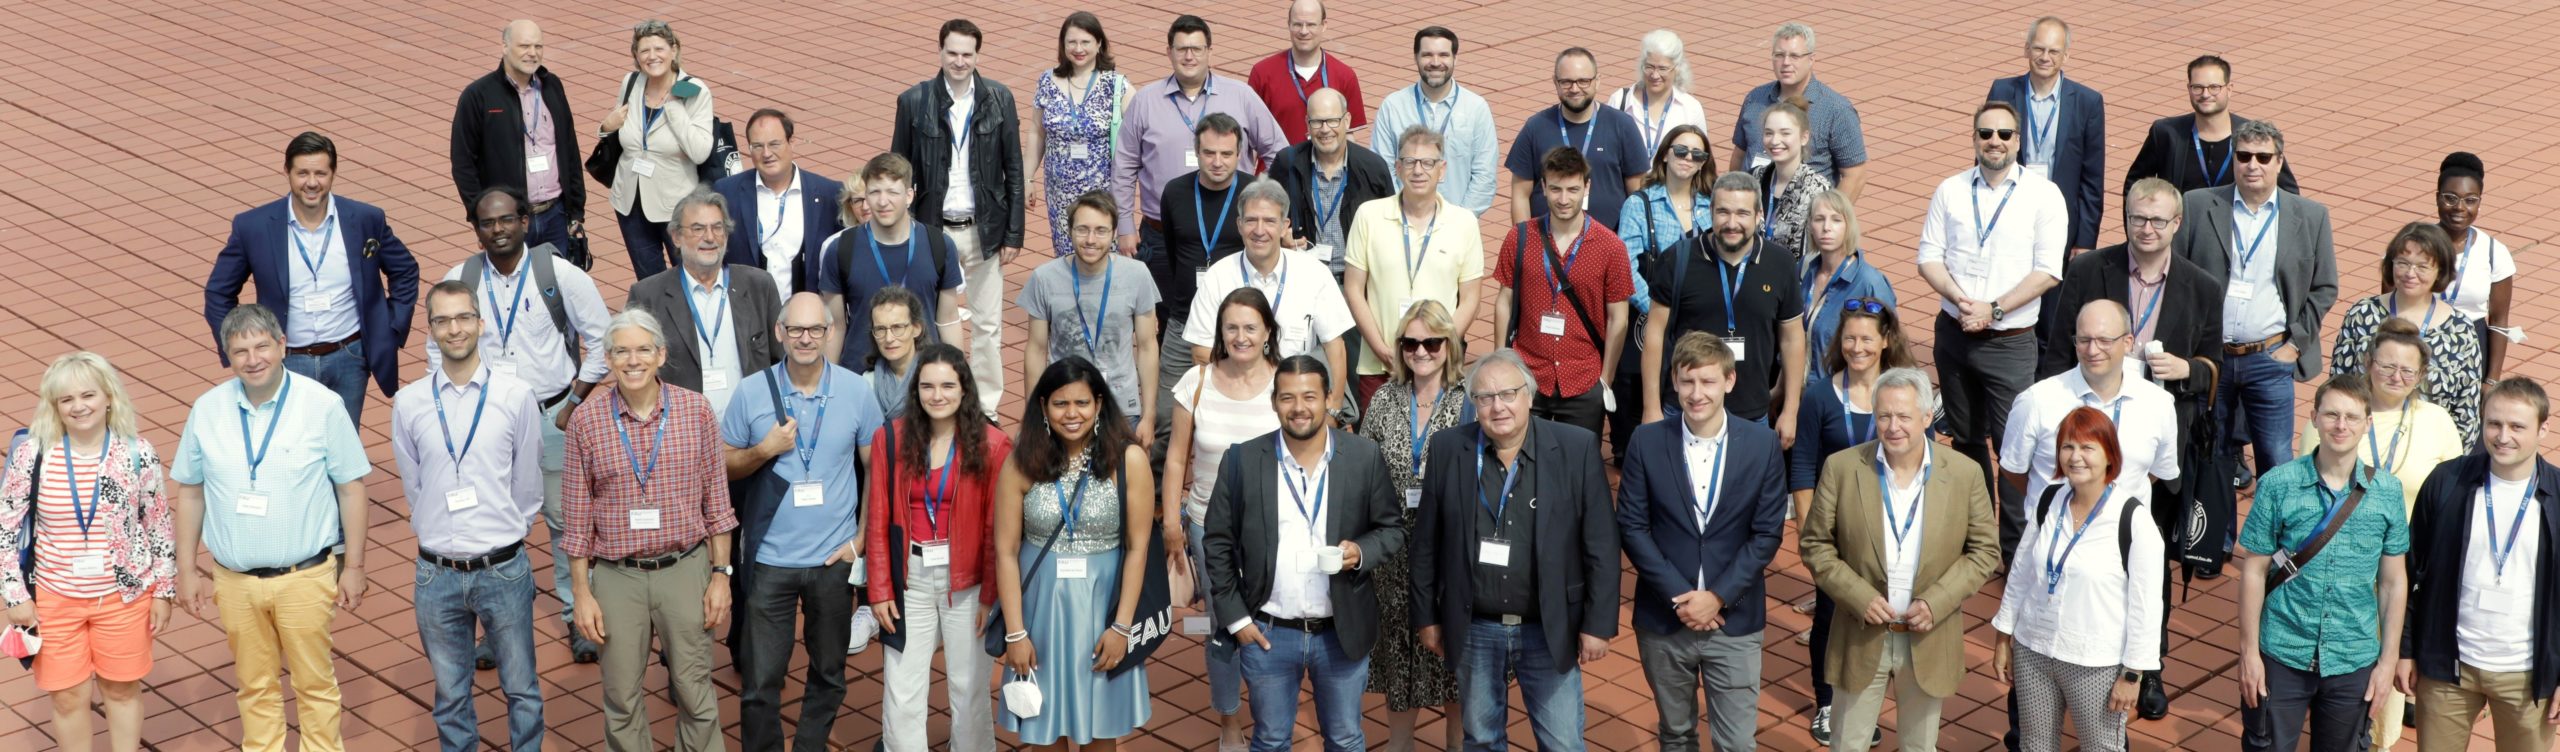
<point x="1659" y="100"/>
<point x="2080" y="618"/>
<point x="2484" y="269"/>
<point x="1216" y="405"/>
<point x="663" y="119"/>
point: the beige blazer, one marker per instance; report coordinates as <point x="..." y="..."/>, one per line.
<point x="676" y="143"/>
<point x="1843" y="540"/>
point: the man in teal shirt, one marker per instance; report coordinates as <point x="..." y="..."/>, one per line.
<point x="2310" y="646"/>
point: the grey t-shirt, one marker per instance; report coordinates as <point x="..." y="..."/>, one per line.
<point x="1052" y="295"/>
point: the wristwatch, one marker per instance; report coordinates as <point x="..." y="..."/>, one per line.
<point x="724" y="570"/>
<point x="2132" y="677"/>
<point x="1998" y="313"/>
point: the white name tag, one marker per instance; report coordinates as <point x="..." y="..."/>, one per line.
<point x="808" y="493"/>
<point x="1898" y="581"/>
<point x="1322" y="251"/>
<point x="1403" y="307"/>
<point x="2489" y="602"/>
<point x="1413" y="498"/>
<point x="713" y="381"/>
<point x="1190" y="159"/>
<point x="315" y="301"/>
<point x="1493" y="552"/>
<point x="1200" y="276"/>
<point x="502" y="367"/>
<point x="2242" y="290"/>
<point x="1195" y="625"/>
<point x="537" y="163"/>
<point x="643" y="167"/>
<point x="1293" y="343"/>
<point x="253" y="505"/>
<point x="859" y="573"/>
<point x="2043" y="172"/>
<point x="93" y="565"/>
<point x="1297" y="560"/>
<point x="1071" y="568"/>
<point x="1551" y="324"/>
<point x="1078" y="152"/>
<point x="1759" y="161"/>
<point x="644" y="519"/>
<point x="938" y="554"/>
<point x="461" y="498"/>
<point x="1736" y="345"/>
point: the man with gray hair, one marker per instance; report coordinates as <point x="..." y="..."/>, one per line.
<point x="720" y="316"/>
<point x="1515" y="559"/>
<point x="1905" y="568"/>
<point x="646" y="501"/>
<point x="1836" y="146"/>
<point x="1329" y="178"/>
<point x="1311" y="321"/>
<point x="513" y="127"/>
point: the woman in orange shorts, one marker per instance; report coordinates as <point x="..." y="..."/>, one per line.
<point x="84" y="492"/>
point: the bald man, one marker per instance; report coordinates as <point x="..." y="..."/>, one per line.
<point x="1287" y="80"/>
<point x="513" y="127"/>
<point x="1329" y="177"/>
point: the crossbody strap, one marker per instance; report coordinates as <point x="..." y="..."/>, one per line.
<point x="2290" y="564"/>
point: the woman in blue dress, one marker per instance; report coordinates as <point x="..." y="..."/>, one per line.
<point x="1078" y="107"/>
<point x="1071" y="517"/>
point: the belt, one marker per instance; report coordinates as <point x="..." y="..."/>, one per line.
<point x="542" y="206"/>
<point x="1319" y="625"/>
<point x="556" y="398"/>
<point x="1508" y="620"/>
<point x="1988" y="333"/>
<point x="1897" y="626"/>
<point x="654" y="563"/>
<point x="1152" y="224"/>
<point x="476" y="563"/>
<point x="324" y="557"/>
<point x="324" y="348"/>
<point x="949" y="222"/>
<point x="2253" y="348"/>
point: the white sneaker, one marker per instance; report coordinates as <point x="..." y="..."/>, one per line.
<point x="864" y="626"/>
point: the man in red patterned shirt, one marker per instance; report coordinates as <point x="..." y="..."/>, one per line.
<point x="1566" y="317"/>
<point x="644" y="494"/>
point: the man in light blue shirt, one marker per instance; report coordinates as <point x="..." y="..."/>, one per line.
<point x="1462" y="119"/>
<point x="468" y="440"/>
<point x="800" y="521"/>
<point x="275" y="518"/>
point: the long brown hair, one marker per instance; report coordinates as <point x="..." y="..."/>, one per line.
<point x="968" y="426"/>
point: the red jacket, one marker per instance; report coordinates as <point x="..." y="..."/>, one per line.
<point x="971" y="525"/>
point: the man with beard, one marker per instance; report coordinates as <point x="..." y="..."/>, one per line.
<point x="1608" y="139"/>
<point x="1437" y="102"/>
<point x="720" y="316"/>
<point x="2194" y="151"/>
<point x="1724" y="286"/>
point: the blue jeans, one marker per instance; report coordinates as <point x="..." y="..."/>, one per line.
<point x="550" y="227"/>
<point x="1274" y="674"/>
<point x="1493" y="655"/>
<point x="500" y="600"/>
<point x="342" y="371"/>
<point x="554" y="456"/>
<point x="2258" y="388"/>
<point x="1226" y="676"/>
<point x="651" y="250"/>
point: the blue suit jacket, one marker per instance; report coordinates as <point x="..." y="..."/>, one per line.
<point x="2079" y="152"/>
<point x="816" y="213"/>
<point x="386" y="279"/>
<point x="1657" y="519"/>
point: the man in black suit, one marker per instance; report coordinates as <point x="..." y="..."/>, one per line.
<point x="785" y="214"/>
<point x="513" y="127"/>
<point x="1515" y="563"/>
<point x="2194" y="151"/>
<point x="1328" y="178"/>
<point x="719" y="318"/>
<point x="1302" y="608"/>
<point x="1702" y="507"/>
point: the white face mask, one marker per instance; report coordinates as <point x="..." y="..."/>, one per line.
<point x="1022" y="696"/>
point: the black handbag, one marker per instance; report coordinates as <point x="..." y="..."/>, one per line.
<point x="754" y="499"/>
<point x="608" y="152"/>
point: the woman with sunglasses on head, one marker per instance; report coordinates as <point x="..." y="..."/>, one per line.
<point x="934" y="468"/>
<point x="1215" y="405"/>
<point x="1835" y="269"/>
<point x="1787" y="190"/>
<point x="1425" y="393"/>
<point x="2483" y="269"/>
<point x="2416" y="269"/>
<point x="1838" y="414"/>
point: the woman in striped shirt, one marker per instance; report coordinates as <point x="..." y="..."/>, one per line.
<point x="85" y="493"/>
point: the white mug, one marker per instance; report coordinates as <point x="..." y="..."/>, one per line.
<point x="1329" y="559"/>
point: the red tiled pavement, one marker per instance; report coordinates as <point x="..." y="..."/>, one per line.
<point x="133" y="130"/>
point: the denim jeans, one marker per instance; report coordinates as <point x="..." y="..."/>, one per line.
<point x="1226" y="675"/>
<point x="550" y="227"/>
<point x="342" y="371"/>
<point x="2257" y="407"/>
<point x="1493" y="654"/>
<point x="646" y="240"/>
<point x="1274" y="675"/>
<point x="554" y="454"/>
<point x="2334" y="706"/>
<point x="500" y="600"/>
<point x="819" y="596"/>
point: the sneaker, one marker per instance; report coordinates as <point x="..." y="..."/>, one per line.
<point x="1804" y="637"/>
<point x="1821" y="726"/>
<point x="864" y="626"/>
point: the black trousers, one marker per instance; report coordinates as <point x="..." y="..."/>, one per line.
<point x="824" y="601"/>
<point x="1584" y="410"/>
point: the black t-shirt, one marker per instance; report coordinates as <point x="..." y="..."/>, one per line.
<point x="1694" y="298"/>
<point x="1187" y="250"/>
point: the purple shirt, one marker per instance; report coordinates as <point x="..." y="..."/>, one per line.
<point x="540" y="139"/>
<point x="1155" y="140"/>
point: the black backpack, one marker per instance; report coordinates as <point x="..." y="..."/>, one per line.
<point x="2124" y="524"/>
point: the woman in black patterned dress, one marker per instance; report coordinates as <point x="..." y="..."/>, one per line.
<point x="1424" y="375"/>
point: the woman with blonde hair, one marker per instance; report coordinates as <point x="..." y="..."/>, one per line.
<point x="663" y="121"/>
<point x="84" y="494"/>
<point x="1425" y="394"/>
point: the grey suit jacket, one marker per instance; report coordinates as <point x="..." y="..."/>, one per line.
<point x="2306" y="263"/>
<point x="753" y="307"/>
<point x="1242" y="537"/>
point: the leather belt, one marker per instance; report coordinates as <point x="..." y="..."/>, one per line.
<point x="324" y="348"/>
<point x="654" y="563"/>
<point x="949" y="223"/>
<point x="1319" y="625"/>
<point x="1508" y="620"/>
<point x="1987" y="333"/>
<point x="1897" y="627"/>
<point x="556" y="398"/>
<point x="324" y="557"/>
<point x="2253" y="348"/>
<point x="542" y="206"/>
<point x="1152" y="224"/>
<point x="476" y="563"/>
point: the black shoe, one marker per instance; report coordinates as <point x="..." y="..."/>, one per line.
<point x="581" y="649"/>
<point x="2409" y="714"/>
<point x="486" y="658"/>
<point x="2154" y="702"/>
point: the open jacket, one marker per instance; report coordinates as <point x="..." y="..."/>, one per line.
<point x="132" y="510"/>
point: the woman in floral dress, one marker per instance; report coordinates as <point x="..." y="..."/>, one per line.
<point x="1078" y="106"/>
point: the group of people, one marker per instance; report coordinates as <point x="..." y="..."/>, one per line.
<point x="1403" y="518"/>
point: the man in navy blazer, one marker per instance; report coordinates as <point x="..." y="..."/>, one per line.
<point x="331" y="270"/>
<point x="2066" y="128"/>
<point x="785" y="214"/>
<point x="1702" y="507"/>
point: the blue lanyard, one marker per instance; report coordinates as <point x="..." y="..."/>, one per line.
<point x="1510" y="480"/>
<point x="935" y="495"/>
<point x="1555" y="284"/>
<point x="1173" y="95"/>
<point x="2211" y="176"/>
<point x="909" y="270"/>
<point x="808" y="449"/>
<point x="1769" y="209"/>
<point x="1731" y="284"/>
<point x="1084" y="97"/>
<point x="1982" y="230"/>
<point x="1075" y="505"/>
<point x="1324" y="77"/>
<point x="2497" y="554"/>
<point x="2040" y="130"/>
<point x="2330" y="503"/>
<point x="1588" y="130"/>
<point x="1289" y="478"/>
<point x="2470" y="238"/>
<point x="621" y="427"/>
<point x="506" y="322"/>
<point x="2387" y="460"/>
<point x="1422" y="421"/>
<point x="2274" y="208"/>
<point x="1705" y="505"/>
<point x="1210" y="232"/>
<point x="540" y="110"/>
<point x="2431" y="309"/>
<point x="1413" y="261"/>
<point x="1422" y="109"/>
<point x="781" y="216"/>
<point x="710" y="334"/>
<point x="1848" y="415"/>
<point x="2053" y="560"/>
<point x="1899" y="526"/>
<point x="473" y="434"/>
<point x="1092" y="334"/>
<point x="648" y="119"/>
<point x="1809" y="288"/>
<point x="960" y="141"/>
<point x="1327" y="211"/>
<point x="309" y="262"/>
<point x="258" y="454"/>
<point x="1244" y="270"/>
<point x="1652" y="126"/>
<point x="71" y="478"/>
<point x="2153" y="307"/>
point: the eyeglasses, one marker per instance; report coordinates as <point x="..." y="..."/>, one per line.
<point x="2160" y="224"/>
<point x="440" y="322"/>
<point x="1986" y="134"/>
<point x="1325" y="123"/>
<point x="2396" y="373"/>
<point x="1682" y="151"/>
<point x="492" y="223"/>
<point x="1574" y="83"/>
<point x="1417" y="163"/>
<point x="2455" y="199"/>
<point x="1486" y="398"/>
<point x="2260" y="157"/>
<point x="892" y="330"/>
<point x="1426" y="344"/>
<point x="804" y="332"/>
<point x="2207" y="88"/>
<point x="1862" y="305"/>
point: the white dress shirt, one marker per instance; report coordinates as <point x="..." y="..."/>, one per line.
<point x="1706" y="458"/>
<point x="522" y="342"/>
<point x="484" y="490"/>
<point x="778" y="230"/>
<point x="1299" y="589"/>
<point x="2146" y="420"/>
<point x="1902" y="553"/>
<point x="1304" y="298"/>
<point x="2029" y="225"/>
<point x="2105" y="611"/>
<point x="719" y="353"/>
<point x="2254" y="309"/>
<point x="2493" y="631"/>
<point x="959" y="200"/>
<point x="321" y="287"/>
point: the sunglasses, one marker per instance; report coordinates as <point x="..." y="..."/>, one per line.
<point x="1867" y="305"/>
<point x="2260" y="157"/>
<point x="1987" y="134"/>
<point x="1684" y="152"/>
<point x="1428" y="344"/>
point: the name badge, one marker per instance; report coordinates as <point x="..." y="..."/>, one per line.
<point x="93" y="565"/>
<point x="1200" y="276"/>
<point x="713" y="381"/>
<point x="1322" y="251"/>
<point x="502" y="367"/>
<point x="644" y="519"/>
<point x="1735" y="344"/>
<point x="1970" y="265"/>
<point x="252" y="505"/>
<point x="1405" y="306"/>
<point x="2043" y="172"/>
<point x="1758" y="161"/>
<point x="315" y="301"/>
<point x="938" y="554"/>
<point x="461" y="498"/>
<point x="1072" y="568"/>
<point x="2488" y="601"/>
<point x="859" y="572"/>
<point x="644" y="168"/>
<point x="1297" y="560"/>
<point x="808" y="493"/>
<point x="1899" y="581"/>
<point x="1190" y="159"/>
<point x="1494" y="552"/>
<point x="1551" y="325"/>
<point x="1293" y="343"/>
<point x="537" y="163"/>
<point x="1078" y="152"/>
<point x="2242" y="290"/>
<point x="1413" y="498"/>
<point x="1195" y="625"/>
